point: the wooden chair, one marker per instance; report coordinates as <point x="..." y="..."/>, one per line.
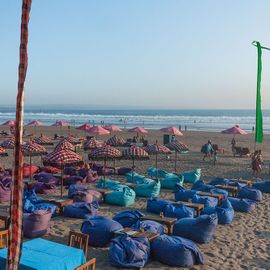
<point x="90" y="265"/>
<point x="79" y="240"/>
<point x="3" y="235"/>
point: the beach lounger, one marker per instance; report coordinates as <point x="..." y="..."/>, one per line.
<point x="90" y="265"/>
<point x="79" y="240"/>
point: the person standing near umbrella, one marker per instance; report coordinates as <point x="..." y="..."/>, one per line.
<point x="207" y="150"/>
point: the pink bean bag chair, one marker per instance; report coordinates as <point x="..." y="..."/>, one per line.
<point x="87" y="196"/>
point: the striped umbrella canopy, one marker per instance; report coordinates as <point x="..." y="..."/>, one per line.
<point x="138" y="130"/>
<point x="92" y="144"/>
<point x="35" y="123"/>
<point x="106" y="151"/>
<point x="98" y="130"/>
<point x="84" y="127"/>
<point x="64" y="145"/>
<point x="9" y="123"/>
<point x="116" y="141"/>
<point x="43" y="140"/>
<point x="3" y="151"/>
<point x="177" y="146"/>
<point x="9" y="143"/>
<point x="113" y="128"/>
<point x="32" y="148"/>
<point x="60" y="124"/>
<point x="172" y="130"/>
<point x="73" y="140"/>
<point x="135" y="152"/>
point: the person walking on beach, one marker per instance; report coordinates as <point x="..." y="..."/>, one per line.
<point x="256" y="163"/>
<point x="207" y="150"/>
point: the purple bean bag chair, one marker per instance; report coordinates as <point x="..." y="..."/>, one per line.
<point x="36" y="224"/>
<point x="88" y="196"/>
<point x="73" y="189"/>
<point x="46" y="178"/>
<point x="5" y="189"/>
<point x="73" y="180"/>
<point x="91" y="177"/>
<point x="43" y="188"/>
<point x="123" y="170"/>
<point x="70" y="171"/>
<point x="81" y="210"/>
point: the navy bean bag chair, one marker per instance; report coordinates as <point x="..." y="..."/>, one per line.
<point x="192" y="177"/>
<point x="72" y="180"/>
<point x="70" y="171"/>
<point x="156" y="205"/>
<point x="37" y="223"/>
<point x="182" y="194"/>
<point x="151" y="189"/>
<point x="176" y="251"/>
<point x="178" y="211"/>
<point x="122" y="195"/>
<point x="127" y="252"/>
<point x="100" y="230"/>
<point x="200" y="229"/>
<point x="73" y="189"/>
<point x="262" y="186"/>
<point x="207" y="201"/>
<point x="149" y="225"/>
<point x="43" y="188"/>
<point x="81" y="210"/>
<point x="250" y="193"/>
<point x="225" y="212"/>
<point x="123" y="170"/>
<point x="220" y="191"/>
<point x="128" y="217"/>
<point x="46" y="178"/>
<point x="242" y="205"/>
<point x="171" y="180"/>
<point x="219" y="181"/>
<point x="237" y="184"/>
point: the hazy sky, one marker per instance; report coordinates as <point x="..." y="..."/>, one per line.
<point x="151" y="53"/>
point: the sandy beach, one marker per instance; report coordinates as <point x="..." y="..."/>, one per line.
<point x="244" y="244"/>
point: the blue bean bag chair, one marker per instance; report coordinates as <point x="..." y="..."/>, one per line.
<point x="242" y="205"/>
<point x="81" y="210"/>
<point x="121" y="195"/>
<point x="137" y="178"/>
<point x="123" y="170"/>
<point x="156" y="205"/>
<point x="100" y="230"/>
<point x="207" y="201"/>
<point x="250" y="193"/>
<point x="171" y="180"/>
<point x="262" y="186"/>
<point x="201" y="186"/>
<point x="237" y="184"/>
<point x="127" y="252"/>
<point x="108" y="183"/>
<point x="219" y="181"/>
<point x="200" y="229"/>
<point x="178" y="211"/>
<point x="149" y="225"/>
<point x="224" y="192"/>
<point x="192" y="177"/>
<point x="154" y="172"/>
<point x="225" y="212"/>
<point x="73" y="189"/>
<point x="176" y="251"/>
<point x="149" y="190"/>
<point x="128" y="217"/>
<point x="182" y="194"/>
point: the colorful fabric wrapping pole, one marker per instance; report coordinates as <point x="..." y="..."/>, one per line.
<point x="16" y="214"/>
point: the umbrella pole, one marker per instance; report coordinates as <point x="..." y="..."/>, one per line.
<point x="61" y="182"/>
<point x="156" y="168"/>
<point x="104" y="174"/>
<point x="114" y="165"/>
<point x="175" y="160"/>
<point x="133" y="171"/>
<point x="30" y="161"/>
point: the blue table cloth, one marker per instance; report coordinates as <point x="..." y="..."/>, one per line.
<point x="40" y="254"/>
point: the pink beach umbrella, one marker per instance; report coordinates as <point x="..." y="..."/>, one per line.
<point x="9" y="123"/>
<point x="84" y="127"/>
<point x="113" y="128"/>
<point x="172" y="131"/>
<point x="35" y="123"/>
<point x="234" y="130"/>
<point x="138" y="130"/>
<point x="98" y="130"/>
<point x="60" y="124"/>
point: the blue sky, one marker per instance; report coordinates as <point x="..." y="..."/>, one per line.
<point x="149" y="53"/>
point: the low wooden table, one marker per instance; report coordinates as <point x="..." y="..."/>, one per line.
<point x="61" y="203"/>
<point x="103" y="191"/>
<point x="233" y="190"/>
<point x="133" y="233"/>
<point x="197" y="206"/>
<point x="5" y="218"/>
<point x="247" y="182"/>
<point x="167" y="221"/>
<point x="220" y="197"/>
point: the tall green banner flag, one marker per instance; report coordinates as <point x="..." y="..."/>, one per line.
<point x="259" y="119"/>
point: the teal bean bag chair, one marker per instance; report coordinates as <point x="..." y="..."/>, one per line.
<point x="171" y="180"/>
<point x="137" y="178"/>
<point x="154" y="172"/>
<point x="122" y="195"/>
<point x="192" y="177"/>
<point x="148" y="189"/>
<point x="109" y="183"/>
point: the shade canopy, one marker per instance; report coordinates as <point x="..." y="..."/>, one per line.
<point x="116" y="141"/>
<point x="32" y="148"/>
<point x="98" y="130"/>
<point x="60" y="124"/>
<point x="73" y="140"/>
<point x="92" y="144"/>
<point x="177" y="146"/>
<point x="113" y="128"/>
<point x="63" y="157"/>
<point x="135" y="152"/>
<point x="157" y="148"/>
<point x="84" y="127"/>
<point x="64" y="144"/>
<point x="35" y="123"/>
<point x="9" y="123"/>
<point x="43" y="140"/>
<point x="138" y="130"/>
<point x="172" y="131"/>
<point x="9" y="143"/>
<point x="234" y="130"/>
<point x="106" y="151"/>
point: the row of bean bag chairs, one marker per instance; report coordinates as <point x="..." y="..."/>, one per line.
<point x="122" y="195"/>
<point x="263" y="186"/>
<point x="81" y="210"/>
<point x="192" y="176"/>
<point x="5" y="188"/>
<point x="176" y="251"/>
<point x="199" y="229"/>
<point x="242" y="205"/>
<point x="150" y="188"/>
<point x="37" y="223"/>
<point x="127" y="252"/>
<point x="250" y="193"/>
<point x="100" y="230"/>
<point x="224" y="212"/>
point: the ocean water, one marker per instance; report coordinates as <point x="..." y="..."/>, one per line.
<point x="204" y="120"/>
